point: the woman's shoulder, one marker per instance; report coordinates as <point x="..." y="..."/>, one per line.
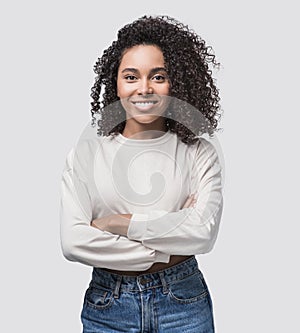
<point x="82" y="152"/>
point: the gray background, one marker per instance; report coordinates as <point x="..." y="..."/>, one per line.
<point x="48" y="49"/>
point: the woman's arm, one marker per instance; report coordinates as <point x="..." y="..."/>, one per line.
<point x="82" y="243"/>
<point x="191" y="230"/>
<point x="119" y="223"/>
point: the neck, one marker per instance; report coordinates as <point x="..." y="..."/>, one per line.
<point x="137" y="131"/>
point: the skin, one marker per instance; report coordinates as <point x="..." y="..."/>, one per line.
<point x="141" y="77"/>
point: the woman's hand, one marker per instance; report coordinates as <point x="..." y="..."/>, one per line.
<point x="115" y="224"/>
<point x="102" y="223"/>
<point x="118" y="223"/>
<point x="191" y="201"/>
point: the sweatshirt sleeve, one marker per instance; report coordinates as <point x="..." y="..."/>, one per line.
<point x="85" y="244"/>
<point x="190" y="230"/>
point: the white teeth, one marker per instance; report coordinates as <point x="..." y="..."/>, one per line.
<point x="144" y="103"/>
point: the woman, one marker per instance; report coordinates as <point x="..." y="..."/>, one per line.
<point x="141" y="200"/>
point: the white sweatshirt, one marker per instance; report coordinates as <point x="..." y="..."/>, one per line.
<point x="151" y="179"/>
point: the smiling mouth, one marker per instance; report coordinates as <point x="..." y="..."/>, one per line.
<point x="146" y="105"/>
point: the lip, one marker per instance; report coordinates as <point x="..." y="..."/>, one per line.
<point x="144" y="105"/>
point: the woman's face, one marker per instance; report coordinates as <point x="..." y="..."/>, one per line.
<point x="142" y="83"/>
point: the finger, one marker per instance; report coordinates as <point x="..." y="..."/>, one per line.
<point x="194" y="203"/>
<point x="188" y="201"/>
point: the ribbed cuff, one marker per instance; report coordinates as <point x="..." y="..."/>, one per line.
<point x="137" y="227"/>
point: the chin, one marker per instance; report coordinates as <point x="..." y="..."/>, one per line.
<point x="145" y="119"/>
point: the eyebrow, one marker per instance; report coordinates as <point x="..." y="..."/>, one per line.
<point x="153" y="70"/>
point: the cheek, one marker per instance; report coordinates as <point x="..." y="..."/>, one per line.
<point x="166" y="90"/>
<point x="123" y="90"/>
<point x="118" y="88"/>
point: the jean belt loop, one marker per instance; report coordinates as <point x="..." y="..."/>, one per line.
<point x="164" y="283"/>
<point x="117" y="287"/>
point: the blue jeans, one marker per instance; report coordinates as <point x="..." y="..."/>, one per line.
<point x="173" y="300"/>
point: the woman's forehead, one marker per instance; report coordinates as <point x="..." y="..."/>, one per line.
<point x="142" y="56"/>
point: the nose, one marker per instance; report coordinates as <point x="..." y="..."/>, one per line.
<point x="145" y="87"/>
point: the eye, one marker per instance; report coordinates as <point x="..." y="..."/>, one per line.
<point x="130" y="78"/>
<point x="159" y="78"/>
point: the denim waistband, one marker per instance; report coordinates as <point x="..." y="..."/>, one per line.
<point x="126" y="283"/>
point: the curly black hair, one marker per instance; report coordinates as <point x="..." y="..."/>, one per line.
<point x="187" y="61"/>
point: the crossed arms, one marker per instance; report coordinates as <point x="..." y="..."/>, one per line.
<point x="136" y="241"/>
